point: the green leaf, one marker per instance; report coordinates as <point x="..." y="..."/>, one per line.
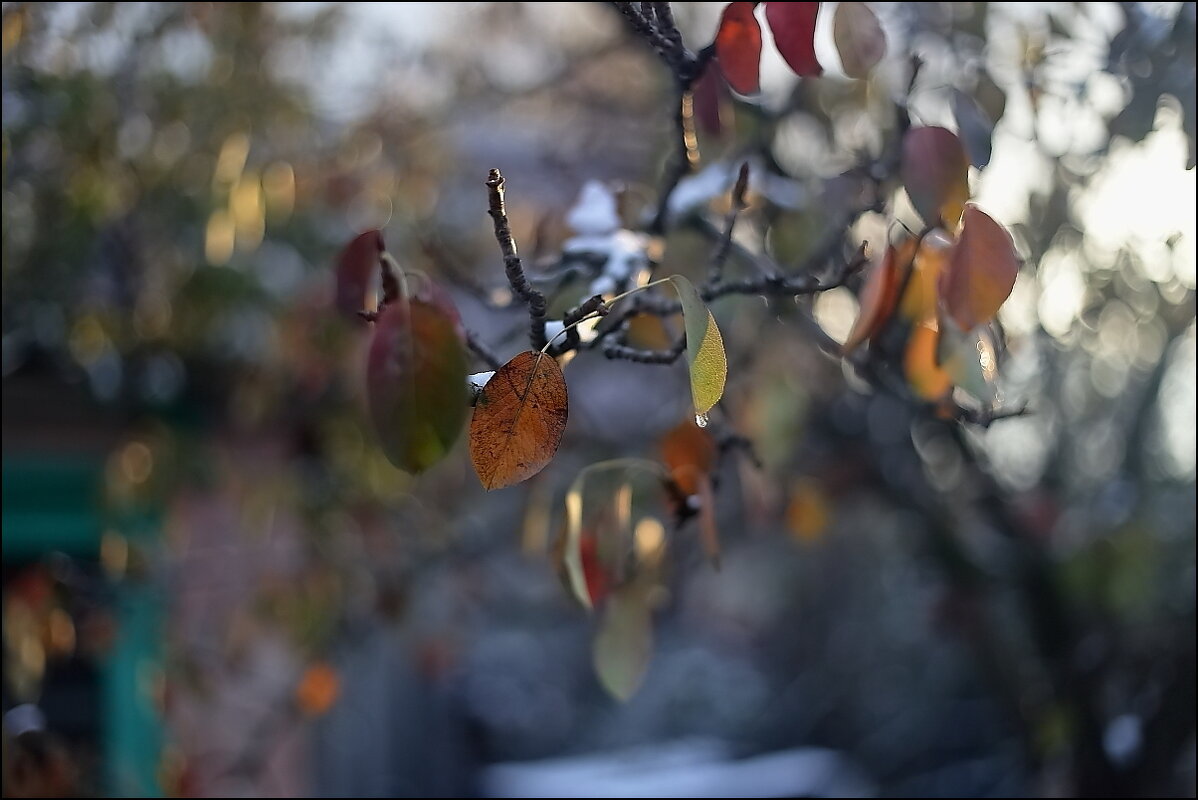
<point x="416" y="380"/>
<point x="704" y="348"/>
<point x="624" y="643"/>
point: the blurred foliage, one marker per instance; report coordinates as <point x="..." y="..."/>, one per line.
<point x="177" y="178"/>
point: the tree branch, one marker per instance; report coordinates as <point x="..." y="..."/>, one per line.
<point x="512" y="266"/>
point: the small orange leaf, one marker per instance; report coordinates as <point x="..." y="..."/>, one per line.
<point x="689" y="453"/>
<point x="318" y="689"/>
<point x="935" y="170"/>
<point x="519" y="418"/>
<point x="920" y="298"/>
<point x="982" y="268"/>
<point x="793" y="26"/>
<point x="738" y="47"/>
<point x="807" y="512"/>
<point x="927" y="379"/>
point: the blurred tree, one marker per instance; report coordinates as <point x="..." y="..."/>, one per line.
<point x="175" y="191"/>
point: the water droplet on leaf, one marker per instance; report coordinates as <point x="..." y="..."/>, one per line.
<point x="701" y="420"/>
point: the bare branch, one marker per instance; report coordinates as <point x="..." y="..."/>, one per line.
<point x="512" y="265"/>
<point x="719" y="256"/>
<point x="483" y="352"/>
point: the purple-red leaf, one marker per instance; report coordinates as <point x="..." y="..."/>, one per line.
<point x="793" y="26"/>
<point x="859" y="38"/>
<point x="935" y="171"/>
<point x="981" y="271"/>
<point x="711" y="99"/>
<point x="355" y="266"/>
<point x="416" y="380"/>
<point x="738" y="48"/>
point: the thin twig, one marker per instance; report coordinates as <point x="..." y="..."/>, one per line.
<point x="512" y="265"/>
<point x="719" y="256"/>
<point x="484" y="353"/>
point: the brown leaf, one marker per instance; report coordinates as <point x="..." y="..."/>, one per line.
<point x="935" y="170"/>
<point x="793" y="26"/>
<point x="982" y="268"/>
<point x="355" y="266"/>
<point x="519" y="418"/>
<point x="738" y="48"/>
<point x="689" y="453"/>
<point x="859" y="38"/>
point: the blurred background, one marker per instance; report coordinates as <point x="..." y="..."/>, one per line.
<point x="216" y="585"/>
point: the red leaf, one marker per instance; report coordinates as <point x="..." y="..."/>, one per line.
<point x="935" y="171"/>
<point x="793" y="26"/>
<point x="355" y="265"/>
<point x="981" y="272"/>
<point x="597" y="580"/>
<point x="416" y="380"/>
<point x="738" y="48"/>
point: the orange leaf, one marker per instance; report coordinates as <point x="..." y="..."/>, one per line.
<point x="519" y="418"/>
<point x="935" y="170"/>
<point x="738" y="48"/>
<point x="318" y="689"/>
<point x="355" y="265"/>
<point x="921" y="296"/>
<point x="921" y="365"/>
<point x="793" y="26"/>
<point x="689" y="453"/>
<point x="807" y="513"/>
<point x="879" y="294"/>
<point x="982" y="268"/>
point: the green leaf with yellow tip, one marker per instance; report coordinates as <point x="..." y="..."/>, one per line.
<point x="704" y="347"/>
